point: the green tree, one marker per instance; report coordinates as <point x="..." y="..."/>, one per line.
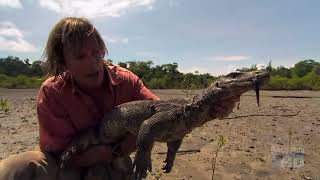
<point x="13" y="66"/>
<point x="316" y="69"/>
<point x="304" y="67"/>
<point x="282" y="71"/>
<point x="36" y="68"/>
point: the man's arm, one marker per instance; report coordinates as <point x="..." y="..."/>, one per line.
<point x="105" y="153"/>
<point x="56" y="131"/>
<point x="94" y="155"/>
<point x="139" y="92"/>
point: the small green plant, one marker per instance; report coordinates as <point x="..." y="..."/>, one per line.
<point x="290" y="132"/>
<point x="221" y="142"/>
<point x="4" y="105"/>
<point x="187" y="92"/>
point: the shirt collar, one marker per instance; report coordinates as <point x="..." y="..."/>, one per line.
<point x="111" y="75"/>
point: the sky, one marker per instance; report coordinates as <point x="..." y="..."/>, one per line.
<point x="208" y="36"/>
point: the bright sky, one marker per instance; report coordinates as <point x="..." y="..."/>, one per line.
<point x="214" y="36"/>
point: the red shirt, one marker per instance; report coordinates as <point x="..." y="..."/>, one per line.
<point x="64" y="110"/>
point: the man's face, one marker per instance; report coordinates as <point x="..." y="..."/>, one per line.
<point x="86" y="65"/>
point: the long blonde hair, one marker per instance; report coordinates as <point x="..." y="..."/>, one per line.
<point x="70" y="32"/>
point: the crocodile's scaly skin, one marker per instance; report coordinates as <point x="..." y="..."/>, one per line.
<point x="165" y="120"/>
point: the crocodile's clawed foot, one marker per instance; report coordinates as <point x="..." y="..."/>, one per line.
<point x="142" y="163"/>
<point x="167" y="166"/>
<point x="67" y="156"/>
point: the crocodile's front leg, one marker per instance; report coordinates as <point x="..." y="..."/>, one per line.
<point x="153" y="128"/>
<point x="79" y="144"/>
<point x="173" y="147"/>
<point x="142" y="160"/>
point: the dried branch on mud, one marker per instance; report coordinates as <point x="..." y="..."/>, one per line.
<point x="184" y="151"/>
<point x="253" y="115"/>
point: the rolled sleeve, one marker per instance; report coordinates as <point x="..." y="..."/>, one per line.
<point x="140" y="91"/>
<point x="55" y="130"/>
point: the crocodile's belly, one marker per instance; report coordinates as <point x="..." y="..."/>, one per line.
<point x="173" y="134"/>
<point x="170" y="137"/>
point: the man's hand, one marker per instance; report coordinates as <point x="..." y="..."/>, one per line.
<point x="94" y="155"/>
<point x="103" y="153"/>
<point x="225" y="107"/>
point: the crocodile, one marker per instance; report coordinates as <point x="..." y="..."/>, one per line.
<point x="165" y="120"/>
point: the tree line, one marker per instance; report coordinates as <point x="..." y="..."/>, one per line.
<point x="17" y="73"/>
<point x="167" y="76"/>
<point x="13" y="66"/>
<point x="304" y="75"/>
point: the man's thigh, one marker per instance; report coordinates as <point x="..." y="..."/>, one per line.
<point x="34" y="165"/>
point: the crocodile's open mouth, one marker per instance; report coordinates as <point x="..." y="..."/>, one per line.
<point x="256" y="78"/>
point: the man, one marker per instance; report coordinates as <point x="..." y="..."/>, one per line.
<point x="81" y="89"/>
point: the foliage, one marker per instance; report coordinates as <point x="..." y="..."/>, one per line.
<point x="310" y="81"/>
<point x="221" y="142"/>
<point x="167" y="76"/>
<point x="16" y="73"/>
<point x="282" y="72"/>
<point x="290" y="133"/>
<point x="20" y="81"/>
<point x="4" y="105"/>
<point x="304" y="75"/>
<point x="304" y="67"/>
<point x="13" y="66"/>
